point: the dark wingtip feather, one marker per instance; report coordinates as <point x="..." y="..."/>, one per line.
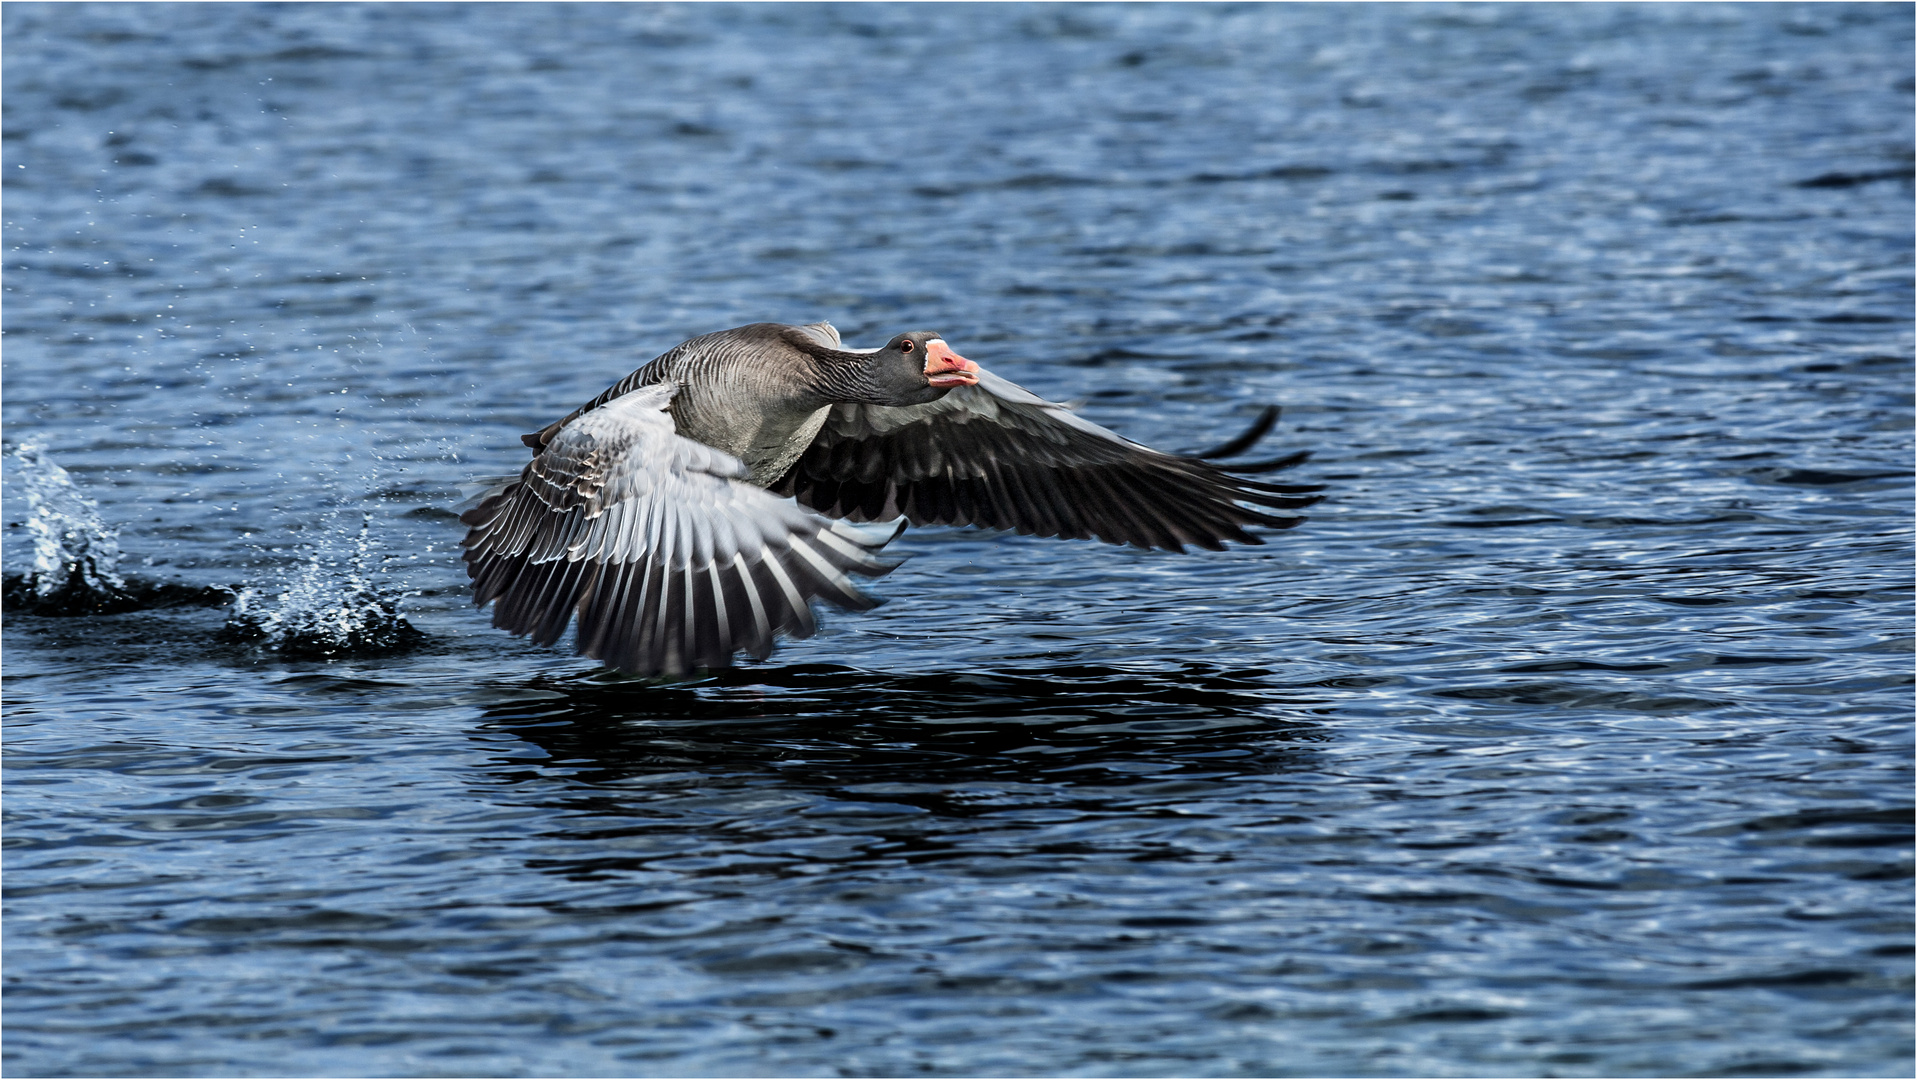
<point x="1289" y="461"/>
<point x="1258" y="429"/>
<point x="1281" y="523"/>
<point x="1279" y="502"/>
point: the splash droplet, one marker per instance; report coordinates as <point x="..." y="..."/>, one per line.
<point x="324" y="614"/>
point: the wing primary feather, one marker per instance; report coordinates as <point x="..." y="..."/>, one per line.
<point x="1285" y="489"/>
<point x="1277" y="464"/>
<point x="1087" y="504"/>
<point x="1277" y="502"/>
<point x="965" y="494"/>
<point x="490" y="574"/>
<point x="658" y="646"/>
<point x="1151" y="526"/>
<point x="747" y="635"/>
<point x="945" y="509"/>
<point x="1116" y="522"/>
<point x="624" y="612"/>
<point x="557" y="604"/>
<point x="515" y="611"/>
<point x="1215" y="509"/>
<point x="691" y="624"/>
<point x="759" y="642"/>
<point x="1037" y="514"/>
<point x="672" y="658"/>
<point x="1187" y="518"/>
<point x="820" y="568"/>
<point x="620" y="636"/>
<point x="601" y="616"/>
<point x="589" y="625"/>
<point x="856" y="552"/>
<point x="1205" y="499"/>
<point x="1198" y="512"/>
<point x="801" y="611"/>
<point x="923" y="501"/>
<point x="1057" y="511"/>
<point x="641" y="644"/>
<point x="633" y="625"/>
<point x="1274" y="522"/>
<point x="997" y="508"/>
<point x="715" y="636"/>
<point x="1247" y="440"/>
<point x="1070" y="521"/>
<point x="561" y="601"/>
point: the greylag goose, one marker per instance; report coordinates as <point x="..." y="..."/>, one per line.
<point x="697" y="507"/>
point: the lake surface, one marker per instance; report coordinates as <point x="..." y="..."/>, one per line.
<point x="1570" y="736"/>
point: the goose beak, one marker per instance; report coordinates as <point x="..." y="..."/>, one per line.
<point x="945" y="368"/>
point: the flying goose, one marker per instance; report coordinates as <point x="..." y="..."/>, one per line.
<point x="698" y="506"/>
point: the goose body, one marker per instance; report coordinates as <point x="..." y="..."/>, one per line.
<point x="698" y="506"/>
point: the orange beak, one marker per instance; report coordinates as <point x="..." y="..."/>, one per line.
<point x="945" y="368"/>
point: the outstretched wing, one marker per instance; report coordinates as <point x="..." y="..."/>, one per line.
<point x="670" y="560"/>
<point x="1000" y="456"/>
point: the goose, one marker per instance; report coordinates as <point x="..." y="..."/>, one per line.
<point x="697" y="507"/>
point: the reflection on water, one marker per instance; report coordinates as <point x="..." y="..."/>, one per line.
<point x="954" y="745"/>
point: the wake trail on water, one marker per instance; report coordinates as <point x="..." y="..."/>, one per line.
<point x="332" y="608"/>
<point x="76" y="555"/>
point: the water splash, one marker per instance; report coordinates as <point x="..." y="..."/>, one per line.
<point x="72" y="547"/>
<point x="76" y="555"/>
<point x="328" y="611"/>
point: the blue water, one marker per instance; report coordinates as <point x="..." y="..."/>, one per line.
<point x="1571" y="736"/>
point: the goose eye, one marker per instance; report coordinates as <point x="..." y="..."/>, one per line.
<point x="905" y="346"/>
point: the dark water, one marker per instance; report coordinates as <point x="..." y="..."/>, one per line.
<point x="1571" y="736"/>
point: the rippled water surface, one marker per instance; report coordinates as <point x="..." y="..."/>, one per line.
<point x="1570" y="736"/>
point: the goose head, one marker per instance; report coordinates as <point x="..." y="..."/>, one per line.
<point x="914" y="368"/>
